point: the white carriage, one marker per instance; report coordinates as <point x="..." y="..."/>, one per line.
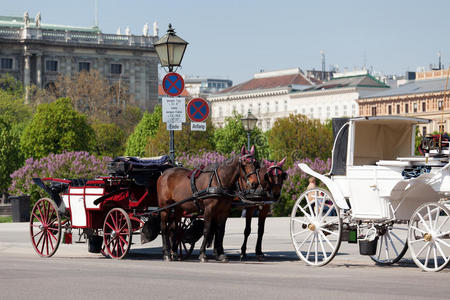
<point x="379" y="194"/>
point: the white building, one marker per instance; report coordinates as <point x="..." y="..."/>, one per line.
<point x="267" y="96"/>
<point x="202" y="87"/>
<point x="336" y="97"/>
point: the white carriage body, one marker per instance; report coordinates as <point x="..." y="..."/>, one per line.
<point x="369" y="175"/>
<point x="79" y="200"/>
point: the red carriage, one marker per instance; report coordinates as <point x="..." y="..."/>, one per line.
<point x="107" y="210"/>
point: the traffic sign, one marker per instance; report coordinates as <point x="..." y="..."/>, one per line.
<point x="173" y="110"/>
<point x="174" y="126"/>
<point x="173" y="84"/>
<point x="198" y="110"/>
<point x="198" y="126"/>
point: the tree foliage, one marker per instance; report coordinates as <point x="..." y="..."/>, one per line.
<point x="56" y="127"/>
<point x="298" y="137"/>
<point x="233" y="135"/>
<point x="185" y="140"/>
<point x="109" y="139"/>
<point x="146" y="128"/>
<point x="10" y="155"/>
<point x="11" y="86"/>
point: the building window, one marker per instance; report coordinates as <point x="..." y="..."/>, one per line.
<point x="415" y="107"/>
<point x="84" y="66"/>
<point x="234" y="109"/>
<point x="259" y="109"/>
<point x="406" y="108"/>
<point x="328" y="112"/>
<point x="398" y="109"/>
<point x="344" y="112"/>
<point x="267" y="107"/>
<point x="285" y="105"/>
<point x="250" y="108"/>
<point x="116" y="69"/>
<point x="242" y="109"/>
<point x="220" y="111"/>
<point x="424" y="106"/>
<point x="440" y="105"/>
<point x="353" y="110"/>
<point x="320" y="111"/>
<point x="51" y="66"/>
<point x="390" y="109"/>
<point x="336" y="110"/>
<point x="276" y="106"/>
<point x="424" y="131"/>
<point x="374" y="110"/>
<point x="6" y="63"/>
<point x="303" y="111"/>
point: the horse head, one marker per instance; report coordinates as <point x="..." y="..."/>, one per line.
<point x="248" y="167"/>
<point x="274" y="177"/>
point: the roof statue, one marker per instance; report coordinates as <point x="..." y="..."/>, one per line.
<point x="155" y="29"/>
<point x="118" y="31"/>
<point x="145" y="30"/>
<point x="26" y="18"/>
<point x="127" y="31"/>
<point x="38" y="20"/>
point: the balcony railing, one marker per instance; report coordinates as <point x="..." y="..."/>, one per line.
<point x="77" y="37"/>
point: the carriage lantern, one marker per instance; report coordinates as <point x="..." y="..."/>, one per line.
<point x="249" y="123"/>
<point x="170" y="49"/>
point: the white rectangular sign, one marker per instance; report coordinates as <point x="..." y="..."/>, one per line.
<point x="173" y="110"/>
<point x="201" y="126"/>
<point x="174" y="126"/>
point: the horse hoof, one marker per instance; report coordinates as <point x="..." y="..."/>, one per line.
<point x="243" y="257"/>
<point x="174" y="256"/>
<point x="222" y="258"/>
<point x="167" y="258"/>
<point x="260" y="257"/>
<point x="203" y="258"/>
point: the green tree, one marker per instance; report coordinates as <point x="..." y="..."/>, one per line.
<point x="10" y="155"/>
<point x="109" y="139"/>
<point x="146" y="128"/>
<point x="185" y="140"/>
<point x="297" y="137"/>
<point x="56" y="127"/>
<point x="12" y="86"/>
<point x="233" y="136"/>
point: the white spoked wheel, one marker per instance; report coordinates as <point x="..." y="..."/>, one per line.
<point x="316" y="227"/>
<point x="429" y="237"/>
<point x="392" y="243"/>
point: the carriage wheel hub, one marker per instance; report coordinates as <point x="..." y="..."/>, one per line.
<point x="311" y="227"/>
<point x="427" y="237"/>
<point x="113" y="234"/>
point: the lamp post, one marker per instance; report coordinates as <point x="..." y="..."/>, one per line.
<point x="249" y="123"/>
<point x="170" y="50"/>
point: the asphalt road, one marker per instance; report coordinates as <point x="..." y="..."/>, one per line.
<point x="73" y="273"/>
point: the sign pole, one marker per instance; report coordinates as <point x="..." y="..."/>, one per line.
<point x="171" y="146"/>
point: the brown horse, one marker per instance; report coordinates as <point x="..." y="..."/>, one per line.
<point x="174" y="186"/>
<point x="271" y="177"/>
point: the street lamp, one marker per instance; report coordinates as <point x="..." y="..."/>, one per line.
<point x="249" y="125"/>
<point x="170" y="50"/>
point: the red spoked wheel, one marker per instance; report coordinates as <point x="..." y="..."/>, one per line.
<point x="117" y="233"/>
<point x="45" y="227"/>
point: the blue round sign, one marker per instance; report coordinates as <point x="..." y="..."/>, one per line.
<point x="173" y="84"/>
<point x="198" y="110"/>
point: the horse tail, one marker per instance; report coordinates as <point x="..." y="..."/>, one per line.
<point x="211" y="235"/>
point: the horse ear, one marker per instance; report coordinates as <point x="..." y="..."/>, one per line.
<point x="243" y="150"/>
<point x="252" y="150"/>
<point x="281" y="163"/>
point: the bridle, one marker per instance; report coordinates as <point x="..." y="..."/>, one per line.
<point x="248" y="159"/>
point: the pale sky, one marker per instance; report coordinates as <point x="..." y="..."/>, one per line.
<point x="236" y="38"/>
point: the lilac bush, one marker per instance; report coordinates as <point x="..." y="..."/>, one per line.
<point x="297" y="182"/>
<point x="66" y="165"/>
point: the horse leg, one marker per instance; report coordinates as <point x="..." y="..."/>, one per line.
<point x="261" y="222"/>
<point x="174" y="236"/>
<point x="206" y="234"/>
<point x="218" y="241"/>
<point x="165" y="235"/>
<point x="247" y="231"/>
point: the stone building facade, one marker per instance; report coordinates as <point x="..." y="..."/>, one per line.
<point x="37" y="53"/>
<point x="420" y="98"/>
<point x="266" y="95"/>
